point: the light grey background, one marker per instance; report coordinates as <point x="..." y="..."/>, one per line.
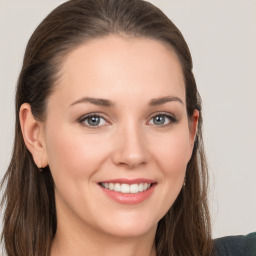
<point x="221" y="35"/>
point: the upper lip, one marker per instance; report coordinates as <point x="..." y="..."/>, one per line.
<point x="129" y="181"/>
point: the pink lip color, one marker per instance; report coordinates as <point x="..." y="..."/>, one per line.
<point x="129" y="198"/>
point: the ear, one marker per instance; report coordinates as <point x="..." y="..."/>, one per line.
<point x="193" y="123"/>
<point x="33" y="135"/>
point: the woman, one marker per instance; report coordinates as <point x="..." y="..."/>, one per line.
<point x="108" y="155"/>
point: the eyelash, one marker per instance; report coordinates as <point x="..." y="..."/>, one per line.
<point x="171" y="118"/>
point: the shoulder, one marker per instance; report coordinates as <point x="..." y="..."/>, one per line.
<point x="236" y="245"/>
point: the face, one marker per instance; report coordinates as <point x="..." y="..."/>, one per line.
<point x="117" y="135"/>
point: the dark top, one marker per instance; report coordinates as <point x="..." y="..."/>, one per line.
<point x="236" y="245"/>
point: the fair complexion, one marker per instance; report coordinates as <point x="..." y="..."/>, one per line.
<point x="138" y="134"/>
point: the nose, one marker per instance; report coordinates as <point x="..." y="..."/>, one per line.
<point x="130" y="148"/>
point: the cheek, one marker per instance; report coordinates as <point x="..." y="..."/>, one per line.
<point x="172" y="152"/>
<point x="73" y="154"/>
<point x="170" y="157"/>
<point x="74" y="158"/>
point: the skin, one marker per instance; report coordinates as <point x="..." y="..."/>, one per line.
<point x="127" y="143"/>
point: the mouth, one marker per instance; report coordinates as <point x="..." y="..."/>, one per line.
<point x="126" y="188"/>
<point x="126" y="191"/>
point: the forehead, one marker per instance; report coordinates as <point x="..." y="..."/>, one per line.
<point x="113" y="65"/>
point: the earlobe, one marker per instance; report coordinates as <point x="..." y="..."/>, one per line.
<point x="33" y="135"/>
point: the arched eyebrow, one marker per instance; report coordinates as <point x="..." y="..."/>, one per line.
<point x="108" y="103"/>
<point x="163" y="100"/>
<point x="95" y="101"/>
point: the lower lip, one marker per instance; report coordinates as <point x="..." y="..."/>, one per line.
<point x="129" y="198"/>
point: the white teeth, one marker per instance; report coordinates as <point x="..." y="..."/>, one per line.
<point x="111" y="186"/>
<point x="140" y="187"/>
<point x="117" y="187"/>
<point x="126" y="188"/>
<point x="134" y="188"/>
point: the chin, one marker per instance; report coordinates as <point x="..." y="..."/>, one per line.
<point x="130" y="227"/>
<point x="130" y="232"/>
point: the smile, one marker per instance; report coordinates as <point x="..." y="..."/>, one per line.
<point x="128" y="191"/>
<point x="126" y="188"/>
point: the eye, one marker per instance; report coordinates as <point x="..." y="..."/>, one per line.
<point x="162" y="119"/>
<point x="96" y="120"/>
<point x="93" y="120"/>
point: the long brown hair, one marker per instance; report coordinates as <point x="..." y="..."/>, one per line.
<point x="30" y="216"/>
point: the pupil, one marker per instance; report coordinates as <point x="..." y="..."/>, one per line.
<point x="93" y="121"/>
<point x="159" y="120"/>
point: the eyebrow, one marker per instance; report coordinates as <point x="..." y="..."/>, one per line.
<point x="163" y="100"/>
<point x="108" y="103"/>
